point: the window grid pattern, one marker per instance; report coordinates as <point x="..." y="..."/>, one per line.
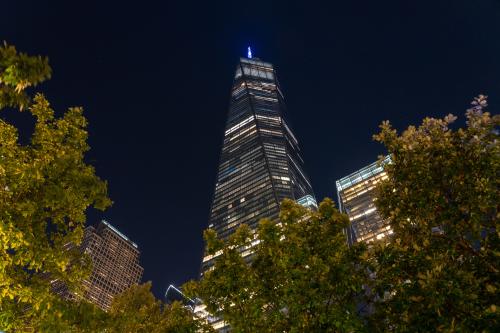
<point x="260" y="163"/>
<point x="115" y="264"/>
<point x="356" y="195"/>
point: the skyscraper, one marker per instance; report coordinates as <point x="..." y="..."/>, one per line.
<point x="356" y="199"/>
<point x="115" y="260"/>
<point x="260" y="163"/>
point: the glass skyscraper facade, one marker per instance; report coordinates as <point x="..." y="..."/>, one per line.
<point x="260" y="163"/>
<point x="356" y="198"/>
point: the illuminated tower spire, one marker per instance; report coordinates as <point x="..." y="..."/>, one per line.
<point x="249" y="53"/>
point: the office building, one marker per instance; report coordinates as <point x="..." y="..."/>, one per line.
<point x="357" y="199"/>
<point x="115" y="260"/>
<point x="260" y="163"/>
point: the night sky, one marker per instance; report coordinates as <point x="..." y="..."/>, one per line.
<point x="155" y="79"/>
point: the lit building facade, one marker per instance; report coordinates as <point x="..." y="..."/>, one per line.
<point x="260" y="163"/>
<point x="115" y="260"/>
<point x="356" y="198"/>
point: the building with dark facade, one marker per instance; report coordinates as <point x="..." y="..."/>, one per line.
<point x="260" y="163"/>
<point x="115" y="260"/>
<point x="357" y="199"/>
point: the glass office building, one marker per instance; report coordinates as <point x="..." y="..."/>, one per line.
<point x="356" y="199"/>
<point x="260" y="163"/>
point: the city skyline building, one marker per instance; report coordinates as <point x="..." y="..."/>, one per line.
<point x="115" y="260"/>
<point x="260" y="162"/>
<point x="259" y="165"/>
<point x="356" y="198"/>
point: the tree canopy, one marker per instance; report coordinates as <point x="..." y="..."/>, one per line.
<point x="441" y="271"/>
<point x="137" y="310"/>
<point x="45" y="189"/>
<point x="302" y="278"/>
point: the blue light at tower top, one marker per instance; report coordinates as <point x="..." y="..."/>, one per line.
<point x="249" y="53"/>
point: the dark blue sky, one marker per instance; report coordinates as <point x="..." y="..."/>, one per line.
<point x="154" y="79"/>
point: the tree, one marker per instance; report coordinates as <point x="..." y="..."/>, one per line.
<point x="78" y="316"/>
<point x="137" y="310"/>
<point x="441" y="271"/>
<point x="45" y="189"/>
<point x="302" y="278"/>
